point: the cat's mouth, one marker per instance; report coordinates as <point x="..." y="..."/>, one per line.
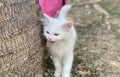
<point x="52" y="42"/>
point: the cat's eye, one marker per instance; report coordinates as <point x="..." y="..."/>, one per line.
<point x="47" y="32"/>
<point x="56" y="34"/>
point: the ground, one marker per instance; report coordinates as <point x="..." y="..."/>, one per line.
<point x="97" y="47"/>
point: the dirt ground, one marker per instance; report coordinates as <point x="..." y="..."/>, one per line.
<point x="97" y="50"/>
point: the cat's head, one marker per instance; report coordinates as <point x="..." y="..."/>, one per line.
<point x="56" y="29"/>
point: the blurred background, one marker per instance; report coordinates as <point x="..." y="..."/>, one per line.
<point x="97" y="50"/>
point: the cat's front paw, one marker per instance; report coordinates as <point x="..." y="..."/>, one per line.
<point x="57" y="74"/>
<point x="65" y="75"/>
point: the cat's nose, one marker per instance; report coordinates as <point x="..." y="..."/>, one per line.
<point x="49" y="39"/>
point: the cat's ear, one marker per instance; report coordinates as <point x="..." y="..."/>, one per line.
<point x="47" y="18"/>
<point x="68" y="25"/>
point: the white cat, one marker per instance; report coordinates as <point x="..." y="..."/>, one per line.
<point x="61" y="36"/>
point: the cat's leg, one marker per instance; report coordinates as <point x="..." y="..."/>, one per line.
<point x="67" y="64"/>
<point x="58" y="66"/>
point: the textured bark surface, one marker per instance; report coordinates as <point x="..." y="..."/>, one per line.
<point x="21" y="46"/>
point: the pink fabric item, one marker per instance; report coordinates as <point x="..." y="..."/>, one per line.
<point x="50" y="7"/>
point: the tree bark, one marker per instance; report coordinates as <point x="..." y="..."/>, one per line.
<point x="21" y="46"/>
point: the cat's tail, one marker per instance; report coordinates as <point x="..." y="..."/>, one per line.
<point x="64" y="10"/>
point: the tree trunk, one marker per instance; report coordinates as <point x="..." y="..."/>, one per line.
<point x="21" y="46"/>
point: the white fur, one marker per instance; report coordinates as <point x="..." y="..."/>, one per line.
<point x="63" y="12"/>
<point x="62" y="49"/>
